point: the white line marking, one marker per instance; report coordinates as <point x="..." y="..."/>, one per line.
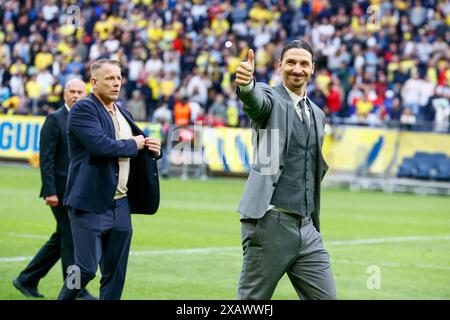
<point x="235" y="250"/>
<point x="184" y="251"/>
<point x="391" y="264"/>
<point x="24" y="235"/>
<point x="386" y="240"/>
<point x="15" y="259"/>
<point x="238" y="249"/>
<point x="330" y="242"/>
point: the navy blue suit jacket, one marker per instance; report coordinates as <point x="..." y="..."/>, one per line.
<point x="94" y="169"/>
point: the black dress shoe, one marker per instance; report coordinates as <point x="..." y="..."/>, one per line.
<point x="85" y="295"/>
<point x="27" y="291"/>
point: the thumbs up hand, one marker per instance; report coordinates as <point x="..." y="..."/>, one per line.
<point x="244" y="72"/>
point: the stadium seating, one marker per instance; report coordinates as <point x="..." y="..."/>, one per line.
<point x="406" y="168"/>
<point x="426" y="166"/>
<point x="443" y="170"/>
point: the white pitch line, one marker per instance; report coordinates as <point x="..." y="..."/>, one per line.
<point x="330" y="242"/>
<point x="237" y="249"/>
<point x="391" y="264"/>
<point x="386" y="240"/>
<point x="184" y="251"/>
<point x="24" y="235"/>
<point x="15" y="259"/>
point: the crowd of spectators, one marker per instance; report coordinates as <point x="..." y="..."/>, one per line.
<point x="374" y="60"/>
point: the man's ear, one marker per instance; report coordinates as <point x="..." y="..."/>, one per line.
<point x="312" y="69"/>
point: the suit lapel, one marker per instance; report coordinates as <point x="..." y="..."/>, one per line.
<point x="105" y="113"/>
<point x="65" y="113"/>
<point x="63" y="124"/>
<point x="315" y="110"/>
<point x="132" y="124"/>
<point x="61" y="115"/>
<point x="290" y="112"/>
<point x="319" y="130"/>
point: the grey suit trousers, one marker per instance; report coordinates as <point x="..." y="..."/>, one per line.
<point x="279" y="243"/>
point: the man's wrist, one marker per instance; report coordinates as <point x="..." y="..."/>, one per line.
<point x="248" y="87"/>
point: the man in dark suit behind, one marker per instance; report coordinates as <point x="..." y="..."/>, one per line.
<point x="112" y="173"/>
<point x="54" y="162"/>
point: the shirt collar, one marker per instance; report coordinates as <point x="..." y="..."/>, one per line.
<point x="296" y="98"/>
<point x="114" y="111"/>
<point x="67" y="107"/>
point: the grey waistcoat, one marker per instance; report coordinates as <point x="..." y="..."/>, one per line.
<point x="294" y="191"/>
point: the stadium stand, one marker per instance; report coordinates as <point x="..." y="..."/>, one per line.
<point x="376" y="61"/>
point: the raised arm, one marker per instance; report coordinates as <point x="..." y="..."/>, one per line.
<point x="256" y="96"/>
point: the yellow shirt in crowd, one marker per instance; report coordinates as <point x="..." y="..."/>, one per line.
<point x="33" y="89"/>
<point x="43" y="60"/>
<point x="167" y="88"/>
<point x="104" y="28"/>
<point x="18" y="68"/>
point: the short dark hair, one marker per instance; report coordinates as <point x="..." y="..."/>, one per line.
<point x="297" y="44"/>
<point x="98" y="63"/>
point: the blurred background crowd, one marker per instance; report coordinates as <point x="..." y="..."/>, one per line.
<point x="376" y="62"/>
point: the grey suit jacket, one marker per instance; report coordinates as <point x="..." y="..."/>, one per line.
<point x="272" y="114"/>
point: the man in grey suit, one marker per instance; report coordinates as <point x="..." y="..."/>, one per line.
<point x="280" y="206"/>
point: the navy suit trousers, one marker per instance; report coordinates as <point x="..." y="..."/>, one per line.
<point x="101" y="239"/>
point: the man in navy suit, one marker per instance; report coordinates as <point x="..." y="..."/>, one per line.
<point x="110" y="175"/>
<point x="54" y="163"/>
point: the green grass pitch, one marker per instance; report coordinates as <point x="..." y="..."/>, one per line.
<point x="191" y="248"/>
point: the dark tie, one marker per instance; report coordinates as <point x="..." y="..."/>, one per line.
<point x="305" y="119"/>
